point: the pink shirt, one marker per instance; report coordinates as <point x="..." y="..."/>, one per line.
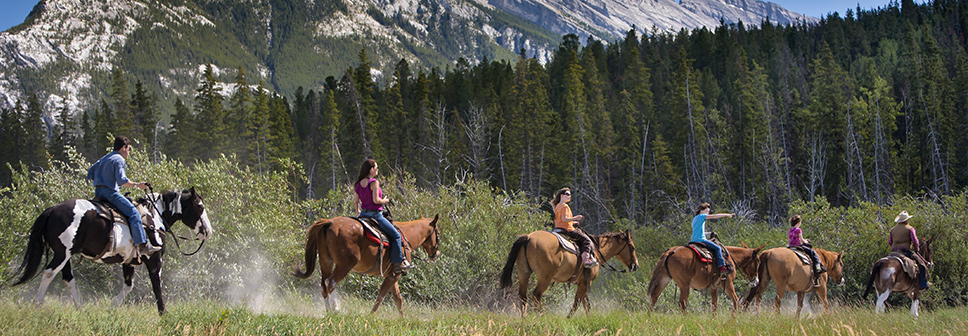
<point x="366" y="196"/>
<point x="795" y="236"/>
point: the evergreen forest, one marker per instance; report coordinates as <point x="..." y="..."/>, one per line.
<point x="862" y="108"/>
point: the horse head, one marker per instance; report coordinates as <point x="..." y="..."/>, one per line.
<point x="431" y="245"/>
<point x="622" y="242"/>
<point x="187" y="206"/>
<point x="750" y="265"/>
<point x="836" y="271"/>
<point x="926" y="251"/>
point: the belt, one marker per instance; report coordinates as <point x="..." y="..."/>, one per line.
<point x="100" y="186"/>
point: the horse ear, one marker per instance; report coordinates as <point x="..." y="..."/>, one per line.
<point x="744" y="245"/>
<point x="192" y="190"/>
<point x="434" y="222"/>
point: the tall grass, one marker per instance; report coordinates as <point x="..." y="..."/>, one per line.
<point x="304" y="317"/>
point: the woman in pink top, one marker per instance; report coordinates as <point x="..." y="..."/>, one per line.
<point x="796" y="239"/>
<point x="369" y="202"/>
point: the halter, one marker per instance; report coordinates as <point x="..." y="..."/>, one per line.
<point x="154" y="201"/>
<point x="608" y="266"/>
<point x="410" y="247"/>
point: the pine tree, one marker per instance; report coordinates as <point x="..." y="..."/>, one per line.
<point x="123" y="118"/>
<point x="63" y="134"/>
<point x="239" y="109"/>
<point x="179" y="139"/>
<point x="33" y="145"/>
<point x="143" y="105"/>
<point x="211" y="129"/>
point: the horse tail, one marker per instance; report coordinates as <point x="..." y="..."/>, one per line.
<point x="512" y="257"/>
<point x="764" y="275"/>
<point x="35" y="248"/>
<point x="661" y="268"/>
<point x="870" y="279"/>
<point x="317" y="231"/>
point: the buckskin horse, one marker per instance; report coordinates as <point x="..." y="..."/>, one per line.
<point x="680" y="264"/>
<point x="888" y="276"/>
<point x="75" y="227"/>
<point x="544" y="256"/>
<point x="341" y="246"/>
<point x="789" y="273"/>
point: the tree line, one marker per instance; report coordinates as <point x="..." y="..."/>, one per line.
<point x="857" y="108"/>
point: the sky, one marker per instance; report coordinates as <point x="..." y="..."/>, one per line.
<point x="13" y="12"/>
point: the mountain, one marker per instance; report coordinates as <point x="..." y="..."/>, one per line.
<point x="66" y="49"/>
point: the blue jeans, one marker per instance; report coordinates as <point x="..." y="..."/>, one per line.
<point x="717" y="252"/>
<point x="396" y="253"/>
<point x="125" y="206"/>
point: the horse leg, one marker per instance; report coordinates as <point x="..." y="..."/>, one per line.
<point x="580" y="294"/>
<point x="821" y="294"/>
<point x="714" y="298"/>
<point x="880" y="307"/>
<point x="800" y="296"/>
<point x="55" y="265"/>
<point x="68" y="276"/>
<point x="683" y="296"/>
<point x="388" y="283"/>
<point x="915" y="302"/>
<point x="539" y="289"/>
<point x="523" y="277"/>
<point x="731" y="293"/>
<point x="127" y="272"/>
<point x="154" y="273"/>
<point x="780" y="291"/>
<point x="397" y="299"/>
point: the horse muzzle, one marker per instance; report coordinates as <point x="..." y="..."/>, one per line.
<point x="634" y="267"/>
<point x="755" y="282"/>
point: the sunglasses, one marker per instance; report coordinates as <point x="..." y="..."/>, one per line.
<point x="566" y="194"/>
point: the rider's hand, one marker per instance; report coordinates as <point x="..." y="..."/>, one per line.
<point x="142" y="185"/>
<point x="579" y="217"/>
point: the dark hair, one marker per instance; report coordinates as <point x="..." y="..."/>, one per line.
<point x="794" y="220"/>
<point x="121" y="141"/>
<point x="557" y="198"/>
<point x="365" y="169"/>
<point x="702" y="207"/>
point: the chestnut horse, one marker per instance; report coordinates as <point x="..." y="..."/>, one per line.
<point x="888" y="276"/>
<point x="342" y="247"/>
<point x="544" y="256"/>
<point x="789" y="273"/>
<point x="680" y="264"/>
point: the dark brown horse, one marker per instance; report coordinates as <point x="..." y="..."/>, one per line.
<point x="544" y="256"/>
<point x="342" y="247"/>
<point x="888" y="276"/>
<point x="681" y="265"/>
<point x="789" y="273"/>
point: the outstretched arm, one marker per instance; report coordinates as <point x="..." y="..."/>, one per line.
<point x="719" y="215"/>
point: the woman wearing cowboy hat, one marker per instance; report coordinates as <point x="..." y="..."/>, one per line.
<point x="904" y="239"/>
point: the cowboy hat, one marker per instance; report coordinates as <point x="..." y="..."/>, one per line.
<point x="902" y="217"/>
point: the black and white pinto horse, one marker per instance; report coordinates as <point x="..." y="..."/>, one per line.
<point x="74" y="227"/>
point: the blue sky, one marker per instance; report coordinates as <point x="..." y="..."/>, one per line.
<point x="14" y="12"/>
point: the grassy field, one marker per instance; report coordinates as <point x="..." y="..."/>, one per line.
<point x="301" y="316"/>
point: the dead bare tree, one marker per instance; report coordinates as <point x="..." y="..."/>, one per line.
<point x="438" y="149"/>
<point x="856" y="182"/>
<point x="475" y="129"/>
<point x="939" y="174"/>
<point x="817" y="167"/>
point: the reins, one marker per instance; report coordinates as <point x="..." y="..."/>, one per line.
<point x="168" y="227"/>
<point x="605" y="263"/>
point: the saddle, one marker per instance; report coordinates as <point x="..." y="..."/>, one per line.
<point x="801" y="253"/>
<point x="704" y="254"/>
<point x="909" y="265"/>
<point x="565" y="242"/>
<point x="372" y="232"/>
<point x="109" y="212"/>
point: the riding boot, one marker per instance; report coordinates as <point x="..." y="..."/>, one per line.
<point x="588" y="260"/>
<point x="923" y="278"/>
<point x="725" y="269"/>
<point x="401" y="267"/>
<point x="147" y="248"/>
<point x="816" y="279"/>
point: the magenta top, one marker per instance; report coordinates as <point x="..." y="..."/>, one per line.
<point x="795" y="236"/>
<point x="366" y="196"/>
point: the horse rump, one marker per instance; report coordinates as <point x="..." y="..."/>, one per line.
<point x="35" y="248"/>
<point x="316" y="231"/>
<point x="870" y="279"/>
<point x="661" y="267"/>
<point x="512" y="257"/>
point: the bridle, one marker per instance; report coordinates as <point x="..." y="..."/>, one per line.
<point x="598" y="250"/>
<point x="153" y="201"/>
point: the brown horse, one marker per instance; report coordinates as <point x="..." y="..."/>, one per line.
<point x="783" y="266"/>
<point x="681" y="265"/>
<point x="888" y="276"/>
<point x="545" y="257"/>
<point x="342" y="247"/>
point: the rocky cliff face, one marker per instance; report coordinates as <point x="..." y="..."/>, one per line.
<point x="66" y="49"/>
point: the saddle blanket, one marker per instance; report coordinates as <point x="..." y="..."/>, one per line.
<point x="566" y="243"/>
<point x="801" y="253"/>
<point x="704" y="254"/>
<point x="372" y="232"/>
<point x="909" y="265"/>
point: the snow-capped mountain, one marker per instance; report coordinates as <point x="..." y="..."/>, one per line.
<point x="66" y="49"/>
